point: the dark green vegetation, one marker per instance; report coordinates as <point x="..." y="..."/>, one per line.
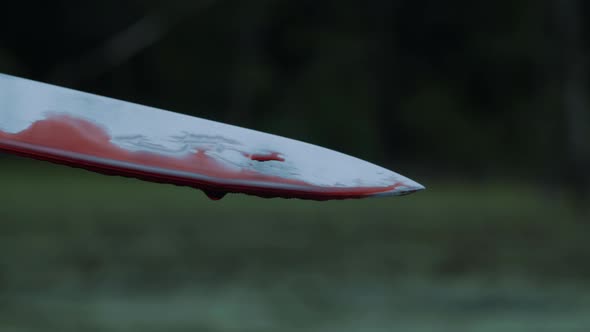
<point x="81" y="251"/>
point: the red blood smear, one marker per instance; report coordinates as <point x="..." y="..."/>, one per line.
<point x="80" y="136"/>
<point x="274" y="156"/>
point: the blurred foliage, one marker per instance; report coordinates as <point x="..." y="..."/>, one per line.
<point x="81" y="251"/>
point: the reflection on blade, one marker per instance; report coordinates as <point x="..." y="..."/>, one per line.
<point x="120" y="138"/>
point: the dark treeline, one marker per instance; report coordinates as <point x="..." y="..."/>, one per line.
<point x="452" y="87"/>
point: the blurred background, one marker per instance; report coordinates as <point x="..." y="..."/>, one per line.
<point x="484" y="102"/>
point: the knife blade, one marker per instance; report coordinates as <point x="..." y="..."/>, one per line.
<point x="115" y="137"/>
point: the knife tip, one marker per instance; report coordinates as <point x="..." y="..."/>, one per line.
<point x="408" y="187"/>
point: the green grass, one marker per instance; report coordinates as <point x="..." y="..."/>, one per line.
<point x="81" y="251"/>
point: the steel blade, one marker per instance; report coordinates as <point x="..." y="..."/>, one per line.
<point x="115" y="137"/>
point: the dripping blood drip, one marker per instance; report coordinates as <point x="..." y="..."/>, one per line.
<point x="215" y="195"/>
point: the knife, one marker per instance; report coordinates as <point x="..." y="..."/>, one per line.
<point x="115" y="137"/>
